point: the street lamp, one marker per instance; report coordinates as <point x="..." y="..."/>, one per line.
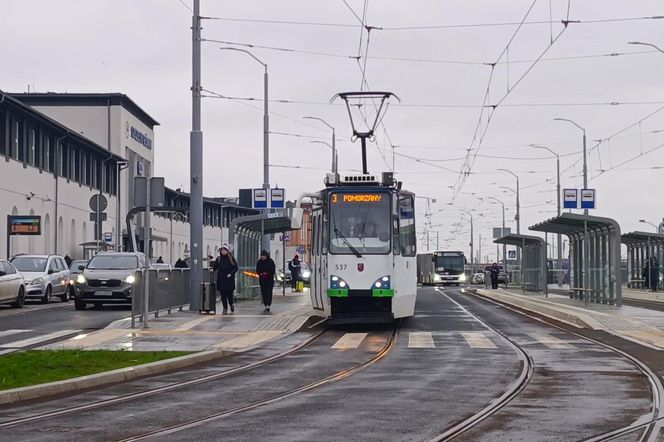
<point x="266" y="132"/>
<point x="648" y="222"/>
<point x="518" y="211"/>
<point x="645" y="44"/>
<point x="120" y="165"/>
<point x="502" y="233"/>
<point x="560" y="238"/>
<point x="335" y="163"/>
<point x="585" y="211"/>
<point x="472" y="259"/>
<point x="334" y="152"/>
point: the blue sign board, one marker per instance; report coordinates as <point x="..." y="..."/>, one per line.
<point x="141" y="137"/>
<point x="260" y="199"/>
<point x="277" y="198"/>
<point x="587" y="198"/>
<point x="570" y="199"/>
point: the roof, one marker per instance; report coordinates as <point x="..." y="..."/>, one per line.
<point x="642" y="238"/>
<point x="85" y="99"/>
<point x="515" y="239"/>
<point x="11" y="101"/>
<point x="268" y="223"/>
<point x="213" y="201"/>
<point x="573" y="224"/>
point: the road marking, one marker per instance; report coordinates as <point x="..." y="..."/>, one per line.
<point x="37" y="339"/>
<point x="349" y="340"/>
<point x="552" y="342"/>
<point x="251" y="339"/>
<point x="420" y="340"/>
<point x="478" y="340"/>
<point x="12" y="332"/>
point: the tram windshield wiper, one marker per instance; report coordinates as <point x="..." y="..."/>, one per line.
<point x="350" y="246"/>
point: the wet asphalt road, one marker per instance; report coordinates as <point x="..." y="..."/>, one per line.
<point x="579" y="389"/>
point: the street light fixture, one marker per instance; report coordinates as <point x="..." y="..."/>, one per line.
<point x="648" y="222"/>
<point x="645" y="44"/>
<point x="502" y="233"/>
<point x="472" y="259"/>
<point x="335" y="164"/>
<point x="266" y="132"/>
<point x="518" y="211"/>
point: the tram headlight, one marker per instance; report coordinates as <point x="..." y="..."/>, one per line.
<point x="337" y="283"/>
<point x="384" y="282"/>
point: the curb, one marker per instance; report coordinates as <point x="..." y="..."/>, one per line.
<point x="108" y="377"/>
<point x="575" y="320"/>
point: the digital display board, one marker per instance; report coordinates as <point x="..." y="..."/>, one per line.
<point x="24" y="225"/>
<point x="357" y="198"/>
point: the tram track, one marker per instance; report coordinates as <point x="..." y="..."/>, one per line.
<point x="340" y="375"/>
<point x="163" y="389"/>
<point x="649" y="425"/>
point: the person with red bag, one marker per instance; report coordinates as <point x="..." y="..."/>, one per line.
<point x="265" y="268"/>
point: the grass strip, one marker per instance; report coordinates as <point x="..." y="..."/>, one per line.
<point x="42" y="366"/>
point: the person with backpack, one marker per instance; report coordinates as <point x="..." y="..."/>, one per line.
<point x="226" y="268"/>
<point x="265" y="268"/>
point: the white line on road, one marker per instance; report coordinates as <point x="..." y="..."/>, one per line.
<point x="552" y="342"/>
<point x="349" y="340"/>
<point x="37" y="339"/>
<point x="12" y="332"/>
<point x="478" y="340"/>
<point x="420" y="340"/>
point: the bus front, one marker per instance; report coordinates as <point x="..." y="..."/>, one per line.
<point x="449" y="268"/>
<point x="360" y="261"/>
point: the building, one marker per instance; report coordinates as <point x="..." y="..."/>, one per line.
<point x="61" y="149"/>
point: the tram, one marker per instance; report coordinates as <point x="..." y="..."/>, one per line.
<point x="363" y="249"/>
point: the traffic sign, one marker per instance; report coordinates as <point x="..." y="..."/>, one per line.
<point x="102" y="217"/>
<point x="587" y="198"/>
<point x="570" y="199"/>
<point x="260" y="199"/>
<point x="286" y="236"/>
<point x="98" y="203"/>
<point x="108" y="237"/>
<point x="277" y="198"/>
<point x="511" y="254"/>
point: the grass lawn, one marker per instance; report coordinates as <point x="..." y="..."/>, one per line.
<point x="41" y="366"/>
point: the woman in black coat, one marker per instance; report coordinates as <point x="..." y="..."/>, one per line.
<point x="265" y="268"/>
<point x="226" y="267"/>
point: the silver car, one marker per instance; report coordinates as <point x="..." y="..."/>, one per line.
<point x="12" y="285"/>
<point x="108" y="278"/>
<point x="45" y="276"/>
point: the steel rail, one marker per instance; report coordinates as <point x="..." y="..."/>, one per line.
<point x="327" y="380"/>
<point x="166" y="388"/>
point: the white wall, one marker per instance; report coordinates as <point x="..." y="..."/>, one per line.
<point x="90" y="121"/>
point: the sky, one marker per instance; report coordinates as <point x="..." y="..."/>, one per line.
<point x="477" y="88"/>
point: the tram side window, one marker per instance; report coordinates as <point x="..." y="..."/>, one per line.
<point x="407" y="226"/>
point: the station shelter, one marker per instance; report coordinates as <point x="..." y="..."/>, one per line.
<point x="533" y="260"/>
<point x="641" y="247"/>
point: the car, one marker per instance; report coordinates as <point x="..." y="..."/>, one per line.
<point x="12" y="285"/>
<point x="305" y="275"/>
<point x="108" y="278"/>
<point x="478" y="278"/>
<point x="45" y="276"/>
<point x="75" y="268"/>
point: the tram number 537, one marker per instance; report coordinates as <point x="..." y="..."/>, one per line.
<point x="340" y="266"/>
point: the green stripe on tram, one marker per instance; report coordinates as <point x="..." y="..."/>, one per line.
<point x="382" y="293"/>
<point x="337" y="293"/>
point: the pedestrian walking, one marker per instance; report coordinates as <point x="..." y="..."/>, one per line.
<point x="226" y="267"/>
<point x="295" y="267"/>
<point x="265" y="268"/>
<point x="654" y="274"/>
<point x="494" y="271"/>
<point x="646" y="277"/>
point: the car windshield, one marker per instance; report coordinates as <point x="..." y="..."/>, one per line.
<point x="360" y="223"/>
<point x="110" y="262"/>
<point x="29" y="264"/>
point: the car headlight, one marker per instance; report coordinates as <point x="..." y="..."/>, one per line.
<point x="130" y="279"/>
<point x="37" y="281"/>
<point x="462" y="277"/>
<point x="306" y="274"/>
<point x="80" y="279"/>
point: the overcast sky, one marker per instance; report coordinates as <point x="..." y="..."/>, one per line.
<point x="143" y="48"/>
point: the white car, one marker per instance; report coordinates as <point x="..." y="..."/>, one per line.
<point x="45" y="276"/>
<point x="12" y="286"/>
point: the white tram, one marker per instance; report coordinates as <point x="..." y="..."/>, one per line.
<point x="363" y="250"/>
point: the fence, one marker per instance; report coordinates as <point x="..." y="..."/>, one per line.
<point x="169" y="289"/>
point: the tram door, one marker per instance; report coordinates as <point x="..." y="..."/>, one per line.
<point x="319" y="262"/>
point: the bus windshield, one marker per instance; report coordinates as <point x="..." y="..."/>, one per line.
<point x="360" y="223"/>
<point x="449" y="263"/>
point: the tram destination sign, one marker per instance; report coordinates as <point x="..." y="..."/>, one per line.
<point x="357" y="198"/>
<point x="24" y="224"/>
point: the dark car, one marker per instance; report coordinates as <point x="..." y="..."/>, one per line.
<point x="75" y="268"/>
<point x="108" y="278"/>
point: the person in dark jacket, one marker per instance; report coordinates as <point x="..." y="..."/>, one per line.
<point x="654" y="274"/>
<point x="68" y="261"/>
<point x="265" y="268"/>
<point x="494" y="271"/>
<point x="294" y="266"/>
<point x="226" y="268"/>
<point x="160" y="260"/>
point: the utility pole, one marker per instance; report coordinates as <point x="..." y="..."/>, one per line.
<point x="518" y="212"/>
<point x="266" y="150"/>
<point x="196" y="166"/>
<point x="472" y="257"/>
<point x="335" y="159"/>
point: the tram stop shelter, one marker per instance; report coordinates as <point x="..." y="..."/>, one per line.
<point x="533" y="260"/>
<point x="597" y="278"/>
<point x="245" y="237"/>
<point x="641" y="246"/>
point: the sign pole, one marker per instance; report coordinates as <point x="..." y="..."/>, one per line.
<point x="283" y="264"/>
<point x="146" y="251"/>
<point x="9" y="236"/>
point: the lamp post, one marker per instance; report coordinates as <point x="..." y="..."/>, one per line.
<point x="120" y="165"/>
<point x="648" y="222"/>
<point x="472" y="258"/>
<point x="518" y="212"/>
<point x="266" y="133"/>
<point x="585" y="211"/>
<point x="502" y="233"/>
<point x="335" y="162"/>
<point x="560" y="238"/>
<point x="646" y="44"/>
<point x="334" y="153"/>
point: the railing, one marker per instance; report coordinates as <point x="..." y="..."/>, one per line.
<point x="169" y="289"/>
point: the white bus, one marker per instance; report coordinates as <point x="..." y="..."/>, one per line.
<point x="441" y="267"/>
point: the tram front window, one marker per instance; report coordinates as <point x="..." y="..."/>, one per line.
<point x="360" y="223"/>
